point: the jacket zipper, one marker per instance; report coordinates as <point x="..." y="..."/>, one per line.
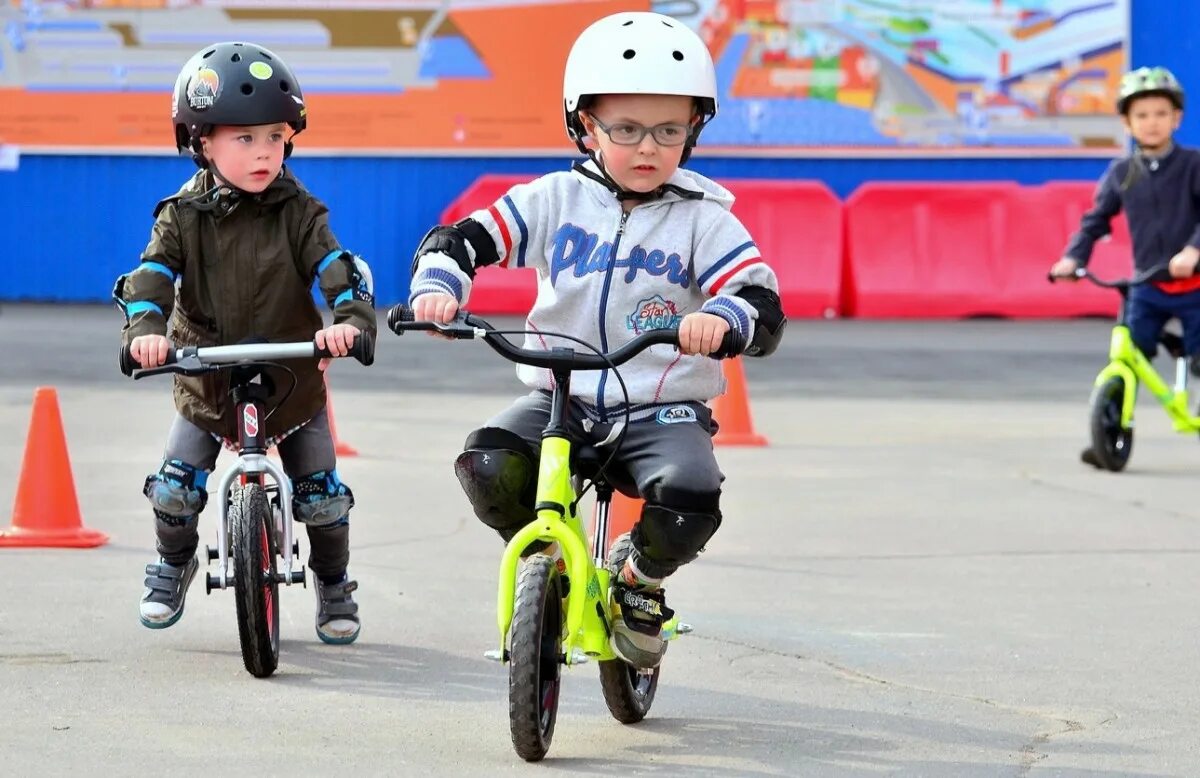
<point x="612" y="262"/>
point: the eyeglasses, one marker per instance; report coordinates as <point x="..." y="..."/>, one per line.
<point x="630" y="134"/>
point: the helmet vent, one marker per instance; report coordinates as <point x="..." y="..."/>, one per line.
<point x="629" y="54"/>
<point x="264" y="54"/>
<point x="626" y="24"/>
<point x="284" y="86"/>
<point x="236" y="57"/>
<point x="247" y="89"/>
<point x="678" y="55"/>
<point x="209" y="53"/>
<point x="668" y="24"/>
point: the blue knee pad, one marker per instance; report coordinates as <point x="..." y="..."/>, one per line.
<point x="320" y="499"/>
<point x="177" y="492"/>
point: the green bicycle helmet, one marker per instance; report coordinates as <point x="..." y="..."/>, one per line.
<point x="1144" y="82"/>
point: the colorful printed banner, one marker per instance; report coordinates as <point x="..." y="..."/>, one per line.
<point x="485" y="76"/>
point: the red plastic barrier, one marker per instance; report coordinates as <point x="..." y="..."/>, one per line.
<point x="496" y="291"/>
<point x="938" y="250"/>
<point x="1112" y="256"/>
<point x="797" y="225"/>
<point x="798" y="228"/>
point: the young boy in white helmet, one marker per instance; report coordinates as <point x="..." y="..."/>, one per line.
<point x="1158" y="187"/>
<point x="622" y="243"/>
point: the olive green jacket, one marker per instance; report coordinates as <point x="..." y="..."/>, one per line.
<point x="235" y="267"/>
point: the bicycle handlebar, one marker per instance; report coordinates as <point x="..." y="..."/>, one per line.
<point x="1143" y="277"/>
<point x="193" y="360"/>
<point x="466" y="326"/>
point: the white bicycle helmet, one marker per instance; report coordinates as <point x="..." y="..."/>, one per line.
<point x="638" y="53"/>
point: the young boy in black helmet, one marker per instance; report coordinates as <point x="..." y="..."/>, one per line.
<point x="1158" y="186"/>
<point x="233" y="255"/>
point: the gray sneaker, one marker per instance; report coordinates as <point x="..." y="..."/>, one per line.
<point x="337" y="612"/>
<point x="166" y="589"/>
<point x="638" y="614"/>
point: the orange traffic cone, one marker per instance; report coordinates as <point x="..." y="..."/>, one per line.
<point x="623" y="513"/>
<point x="46" y="512"/>
<point x="732" y="410"/>
<point x="341" y="448"/>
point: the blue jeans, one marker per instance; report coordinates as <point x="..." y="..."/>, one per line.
<point x="1150" y="308"/>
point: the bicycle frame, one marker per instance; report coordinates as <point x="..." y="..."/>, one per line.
<point x="250" y="399"/>
<point x="1127" y="362"/>
<point x="252" y="463"/>
<point x="558" y="521"/>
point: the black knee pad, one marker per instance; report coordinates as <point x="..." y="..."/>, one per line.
<point x="669" y="493"/>
<point x="664" y="539"/>
<point x="498" y="472"/>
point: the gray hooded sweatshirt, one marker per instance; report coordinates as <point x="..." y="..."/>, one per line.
<point x="605" y="276"/>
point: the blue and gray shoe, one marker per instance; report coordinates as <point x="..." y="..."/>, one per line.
<point x="166" y="590"/>
<point x="337" y="612"/>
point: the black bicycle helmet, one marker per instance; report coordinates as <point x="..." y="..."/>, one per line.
<point x="237" y="84"/>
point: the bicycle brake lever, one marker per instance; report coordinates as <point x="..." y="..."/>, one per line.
<point x="189" y="366"/>
<point x="459" y="329"/>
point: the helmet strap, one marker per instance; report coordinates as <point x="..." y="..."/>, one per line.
<point x="623" y="194"/>
<point x="211" y="199"/>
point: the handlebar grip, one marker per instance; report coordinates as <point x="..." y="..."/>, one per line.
<point x="129" y="364"/>
<point x="732" y="345"/>
<point x="399" y="314"/>
<point x="363" y="349"/>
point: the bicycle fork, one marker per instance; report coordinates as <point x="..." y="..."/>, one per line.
<point x="1132" y="367"/>
<point x="252" y="464"/>
<point x="557" y="521"/>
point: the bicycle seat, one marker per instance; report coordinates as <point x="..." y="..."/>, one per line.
<point x="586" y="462"/>
<point x="1172" y="343"/>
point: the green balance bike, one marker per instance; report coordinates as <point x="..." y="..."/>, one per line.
<point x="1115" y="391"/>
<point x="546" y="619"/>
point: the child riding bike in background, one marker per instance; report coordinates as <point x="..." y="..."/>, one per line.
<point x="1158" y="186"/>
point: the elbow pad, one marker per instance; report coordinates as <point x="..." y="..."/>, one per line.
<point x="768" y="328"/>
<point x="466" y="242"/>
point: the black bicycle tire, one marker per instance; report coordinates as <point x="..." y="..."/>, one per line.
<point x="1112" y="445"/>
<point x="251" y="526"/>
<point x="628" y="691"/>
<point x="535" y="648"/>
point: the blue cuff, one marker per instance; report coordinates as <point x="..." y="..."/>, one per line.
<point x="730" y="312"/>
<point x="158" y="267"/>
<point x="329" y="259"/>
<point x="138" y="306"/>
<point x="435" y="279"/>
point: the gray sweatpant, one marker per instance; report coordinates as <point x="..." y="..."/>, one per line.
<point x="306" y="451"/>
<point x="668" y="458"/>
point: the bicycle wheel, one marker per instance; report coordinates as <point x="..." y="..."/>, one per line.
<point x="534" y="670"/>
<point x="628" y="690"/>
<point x="1111" y="443"/>
<point x="252" y="527"/>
